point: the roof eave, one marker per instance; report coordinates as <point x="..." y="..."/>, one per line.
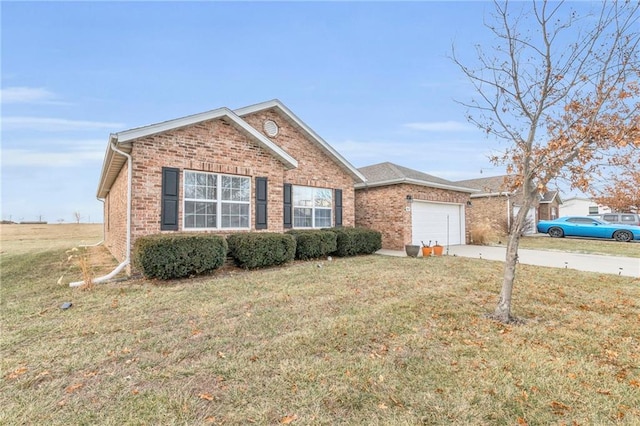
<point x="414" y="182"/>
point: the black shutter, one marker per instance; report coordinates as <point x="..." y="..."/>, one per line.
<point x="261" y="203"/>
<point x="288" y="222"/>
<point x="337" y="205"/>
<point x="170" y="191"/>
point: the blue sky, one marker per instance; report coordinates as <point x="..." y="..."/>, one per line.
<point x="373" y="79"/>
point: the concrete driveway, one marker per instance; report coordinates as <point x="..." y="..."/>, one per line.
<point x="627" y="266"/>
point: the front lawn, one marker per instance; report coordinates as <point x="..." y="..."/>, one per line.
<point x="581" y="245"/>
<point x="367" y="340"/>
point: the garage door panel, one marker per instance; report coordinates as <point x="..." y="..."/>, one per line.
<point x="440" y="222"/>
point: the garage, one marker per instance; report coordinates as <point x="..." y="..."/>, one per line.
<point x="530" y="220"/>
<point x="441" y="222"/>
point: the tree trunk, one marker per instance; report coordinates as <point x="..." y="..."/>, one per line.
<point x="503" y="309"/>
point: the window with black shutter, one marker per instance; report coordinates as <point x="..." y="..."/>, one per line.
<point x="261" y="203"/>
<point x="169" y="203"/>
<point x="337" y="205"/>
<point x="288" y="219"/>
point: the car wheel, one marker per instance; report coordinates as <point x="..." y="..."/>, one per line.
<point x="556" y="232"/>
<point x="624" y="236"/>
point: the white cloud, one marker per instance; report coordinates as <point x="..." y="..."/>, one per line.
<point x="26" y="95"/>
<point x="54" y="124"/>
<point x="27" y="158"/>
<point x="440" y="126"/>
<point x="55" y="154"/>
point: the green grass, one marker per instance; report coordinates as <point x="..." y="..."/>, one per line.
<point x="367" y="340"/>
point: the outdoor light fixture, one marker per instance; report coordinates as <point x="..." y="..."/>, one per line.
<point x="469" y="203"/>
<point x="409" y="198"/>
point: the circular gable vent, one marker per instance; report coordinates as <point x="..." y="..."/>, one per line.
<point x="270" y="128"/>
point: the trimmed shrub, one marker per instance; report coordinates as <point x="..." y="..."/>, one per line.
<point x="167" y="256"/>
<point x="261" y="249"/>
<point x="313" y="244"/>
<point x="355" y="241"/>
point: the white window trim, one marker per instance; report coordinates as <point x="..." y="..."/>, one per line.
<point x="313" y="209"/>
<point x="218" y="202"/>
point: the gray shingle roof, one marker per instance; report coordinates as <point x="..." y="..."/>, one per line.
<point x="488" y="185"/>
<point x="389" y="173"/>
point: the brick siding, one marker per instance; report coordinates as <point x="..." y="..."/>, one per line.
<point x="217" y="146"/>
<point x="383" y="209"/>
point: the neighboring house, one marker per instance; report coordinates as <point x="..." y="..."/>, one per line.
<point x="549" y="207"/>
<point x="408" y="206"/>
<point x="582" y="206"/>
<point x="258" y="168"/>
<point x="496" y="205"/>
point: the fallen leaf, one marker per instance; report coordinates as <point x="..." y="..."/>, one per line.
<point x="210" y="419"/>
<point x="522" y="422"/>
<point x="288" y="419"/>
<point x="135" y="391"/>
<point x="635" y="383"/>
<point x="559" y="407"/>
<point x="206" y="396"/>
<point x="382" y="406"/>
<point x="18" y="372"/>
<point x="604" y="391"/>
<point x="74" y="387"/>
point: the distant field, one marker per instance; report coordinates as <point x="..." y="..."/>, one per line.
<point x="21" y="239"/>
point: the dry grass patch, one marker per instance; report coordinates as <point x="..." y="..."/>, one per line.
<point x="22" y="239"/>
<point x="581" y="245"/>
<point x="368" y="340"/>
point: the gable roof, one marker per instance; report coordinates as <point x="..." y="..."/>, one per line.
<point x="550" y="196"/>
<point x="495" y="185"/>
<point x="113" y="161"/>
<point x="296" y="122"/>
<point x="387" y="173"/>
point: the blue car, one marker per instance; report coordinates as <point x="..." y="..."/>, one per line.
<point x="581" y="226"/>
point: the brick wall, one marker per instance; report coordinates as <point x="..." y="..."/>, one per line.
<point x="315" y="168"/>
<point x="492" y="210"/>
<point x="217" y="146"/>
<point x="115" y="216"/>
<point x="384" y="209"/>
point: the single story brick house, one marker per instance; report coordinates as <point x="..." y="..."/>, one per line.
<point x="257" y="168"/>
<point x="408" y="206"/>
<point x="497" y="206"/>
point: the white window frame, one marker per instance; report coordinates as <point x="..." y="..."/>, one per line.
<point x="296" y="204"/>
<point x="219" y="201"/>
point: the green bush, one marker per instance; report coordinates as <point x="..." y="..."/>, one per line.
<point x="313" y="244"/>
<point x="260" y="249"/>
<point x="167" y="256"/>
<point x="355" y="241"/>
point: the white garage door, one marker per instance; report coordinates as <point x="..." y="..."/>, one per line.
<point x="530" y="224"/>
<point x="440" y="222"/>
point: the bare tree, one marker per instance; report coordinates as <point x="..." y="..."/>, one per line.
<point x="561" y="90"/>
<point x="77" y="216"/>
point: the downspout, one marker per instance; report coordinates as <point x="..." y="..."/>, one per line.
<point x="127" y="259"/>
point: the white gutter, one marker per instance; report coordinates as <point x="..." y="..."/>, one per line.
<point x="411" y="181"/>
<point x="127" y="259"/>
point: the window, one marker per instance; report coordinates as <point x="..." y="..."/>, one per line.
<point x="593" y="209"/>
<point x="312" y="207"/>
<point x="554" y="213"/>
<point x="214" y="201"/>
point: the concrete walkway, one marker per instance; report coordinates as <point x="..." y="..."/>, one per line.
<point x="627" y="266"/>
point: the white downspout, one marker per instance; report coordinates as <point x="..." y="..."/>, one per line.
<point x="127" y="259"/>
